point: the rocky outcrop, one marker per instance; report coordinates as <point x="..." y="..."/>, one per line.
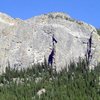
<point x="24" y="43"/>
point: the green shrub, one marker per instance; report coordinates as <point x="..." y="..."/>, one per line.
<point x="98" y="30"/>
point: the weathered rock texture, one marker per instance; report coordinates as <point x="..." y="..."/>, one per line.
<point x="23" y="43"/>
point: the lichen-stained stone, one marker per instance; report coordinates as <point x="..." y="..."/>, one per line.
<point x="27" y="42"/>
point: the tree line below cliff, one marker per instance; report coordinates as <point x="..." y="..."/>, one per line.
<point x="79" y="83"/>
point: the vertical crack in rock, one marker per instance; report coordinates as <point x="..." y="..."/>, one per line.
<point x="89" y="49"/>
<point x="51" y="59"/>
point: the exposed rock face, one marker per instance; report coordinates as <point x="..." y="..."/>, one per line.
<point x="23" y="43"/>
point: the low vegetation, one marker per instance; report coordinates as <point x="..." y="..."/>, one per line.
<point x="76" y="84"/>
<point x="98" y="30"/>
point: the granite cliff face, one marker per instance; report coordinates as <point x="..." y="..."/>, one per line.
<point x="27" y="42"/>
